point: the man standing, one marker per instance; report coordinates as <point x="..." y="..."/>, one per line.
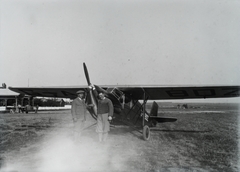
<point x="104" y="115"/>
<point x="79" y="111"/>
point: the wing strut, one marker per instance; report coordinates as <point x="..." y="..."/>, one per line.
<point x="144" y="107"/>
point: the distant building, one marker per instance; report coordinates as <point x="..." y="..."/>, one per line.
<point x="10" y="100"/>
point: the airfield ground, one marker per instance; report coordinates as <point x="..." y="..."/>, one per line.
<point x="204" y="138"/>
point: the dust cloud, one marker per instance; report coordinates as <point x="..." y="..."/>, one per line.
<point x="58" y="152"/>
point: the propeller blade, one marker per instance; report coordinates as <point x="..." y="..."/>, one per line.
<point x="86" y="74"/>
<point x="92" y="97"/>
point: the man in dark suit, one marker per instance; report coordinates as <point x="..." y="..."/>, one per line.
<point x="79" y="111"/>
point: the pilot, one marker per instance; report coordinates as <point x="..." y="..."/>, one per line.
<point x="79" y="111"/>
<point x="104" y="115"/>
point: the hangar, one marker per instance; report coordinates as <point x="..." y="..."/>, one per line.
<point x="11" y="101"/>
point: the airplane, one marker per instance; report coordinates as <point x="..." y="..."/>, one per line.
<point x="130" y="101"/>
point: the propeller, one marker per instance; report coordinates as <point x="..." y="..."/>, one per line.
<point x="92" y="97"/>
<point x="86" y="74"/>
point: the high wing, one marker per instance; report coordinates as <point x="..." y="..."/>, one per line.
<point x="182" y="92"/>
<point x="137" y="92"/>
<point x="58" y="92"/>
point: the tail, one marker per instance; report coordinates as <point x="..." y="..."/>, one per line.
<point x="154" y="109"/>
<point x="157" y="119"/>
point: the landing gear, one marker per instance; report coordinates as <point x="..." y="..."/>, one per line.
<point x="146" y="132"/>
<point x="146" y="129"/>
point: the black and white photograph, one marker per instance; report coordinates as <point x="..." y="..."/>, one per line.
<point x="119" y="86"/>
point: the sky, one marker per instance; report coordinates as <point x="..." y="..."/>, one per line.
<point x="125" y="42"/>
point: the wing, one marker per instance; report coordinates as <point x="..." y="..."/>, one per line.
<point x="175" y="92"/>
<point x="137" y="92"/>
<point x="61" y="92"/>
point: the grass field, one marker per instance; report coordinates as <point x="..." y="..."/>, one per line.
<point x="204" y="138"/>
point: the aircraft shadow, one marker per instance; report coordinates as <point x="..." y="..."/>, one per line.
<point x="124" y="130"/>
<point x="138" y="133"/>
<point x="115" y="130"/>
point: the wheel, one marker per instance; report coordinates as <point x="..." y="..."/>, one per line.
<point x="146" y="132"/>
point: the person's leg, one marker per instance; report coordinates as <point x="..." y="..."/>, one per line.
<point x="75" y="131"/>
<point x="100" y="136"/>
<point x="105" y="135"/>
<point x="99" y="127"/>
<point x="81" y="127"/>
<point x="106" y="125"/>
<point x="78" y="127"/>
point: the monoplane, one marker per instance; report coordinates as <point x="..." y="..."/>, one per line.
<point x="130" y="101"/>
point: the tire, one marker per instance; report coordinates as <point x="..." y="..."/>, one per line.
<point x="146" y="132"/>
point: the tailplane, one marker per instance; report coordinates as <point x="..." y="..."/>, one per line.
<point x="154" y="118"/>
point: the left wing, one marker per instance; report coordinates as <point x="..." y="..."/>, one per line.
<point x="61" y="92"/>
<point x="137" y="92"/>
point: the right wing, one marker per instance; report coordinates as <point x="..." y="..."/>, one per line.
<point x="181" y="92"/>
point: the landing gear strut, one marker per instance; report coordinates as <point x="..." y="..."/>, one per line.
<point x="146" y="129"/>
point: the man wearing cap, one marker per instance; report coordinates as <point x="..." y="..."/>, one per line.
<point x="79" y="111"/>
<point x="104" y="115"/>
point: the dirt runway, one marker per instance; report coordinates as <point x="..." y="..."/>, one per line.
<point x="204" y="141"/>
